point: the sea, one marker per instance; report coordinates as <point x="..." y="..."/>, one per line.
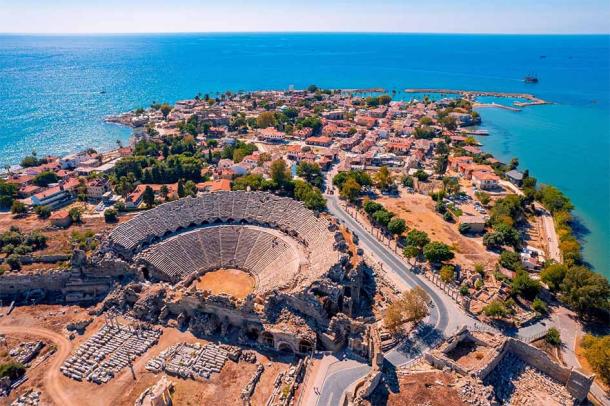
<point x="56" y="90"/>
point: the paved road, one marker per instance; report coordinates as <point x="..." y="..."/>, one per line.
<point x="436" y="326"/>
<point x="338" y="379"/>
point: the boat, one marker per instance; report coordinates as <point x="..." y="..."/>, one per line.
<point x="530" y="79"/>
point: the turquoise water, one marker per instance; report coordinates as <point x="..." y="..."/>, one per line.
<point x="55" y="91"/>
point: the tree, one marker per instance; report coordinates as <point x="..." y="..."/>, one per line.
<point x="597" y="352"/>
<point x="553" y="337"/>
<point x="417" y="239"/>
<point x="553" y="275"/>
<point x="539" y="306"/>
<point x="493" y="240"/>
<point x="410" y="251"/>
<point x="382" y="217"/>
<point x="8" y="192"/>
<point x="165" y="109"/>
<point x="266" y="119"/>
<point x="43" y="212"/>
<point x="110" y="215"/>
<point x="75" y="214"/>
<point x="421" y="175"/>
<point x="414" y="304"/>
<point x="586" y="291"/>
<point x="496" y="309"/>
<point x="438" y="252"/>
<point x="392" y="317"/>
<point x="407" y="181"/>
<point x="370" y="207"/>
<point x="525" y="286"/>
<point x="483" y="197"/>
<point x="164" y="191"/>
<point x="350" y="190"/>
<point x="553" y="199"/>
<point x="190" y="188"/>
<point x="181" y="192"/>
<point x="12" y="370"/>
<point x="397" y="226"/>
<point x="510" y="260"/>
<point x="44" y="178"/>
<point x="312" y="88"/>
<point x="464" y="228"/>
<point x="18" y="207"/>
<point x="383" y="178"/>
<point x="148" y="197"/>
<point x="447" y="273"/>
<point x="311" y="172"/>
<point x="14" y="262"/>
<point x="280" y="174"/>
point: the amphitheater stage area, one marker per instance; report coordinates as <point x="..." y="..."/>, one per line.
<point x="232" y="282"/>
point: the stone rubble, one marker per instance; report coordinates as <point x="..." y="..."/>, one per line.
<point x="516" y="383"/>
<point x="26" y="351"/>
<point x="30" y="398"/>
<point x="189" y="361"/>
<point x="107" y="352"/>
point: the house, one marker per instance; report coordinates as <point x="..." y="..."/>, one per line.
<point x="456" y="161"/>
<point x="303" y="133"/>
<point x="333" y="115"/>
<point x="61" y="218"/>
<point x="485" y="180"/>
<point x="399" y="146"/>
<point x="319" y="141"/>
<point x="515" y="177"/>
<point x="96" y="188"/>
<point x="215" y="186"/>
<point x="366" y="121"/>
<point x="53" y="197"/>
<point x="476" y="224"/>
<point x="73" y="160"/>
<point x="134" y="199"/>
<point x="270" y="134"/>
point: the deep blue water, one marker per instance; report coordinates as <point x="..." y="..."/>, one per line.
<point x="55" y="90"/>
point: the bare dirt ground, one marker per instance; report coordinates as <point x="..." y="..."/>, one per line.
<point x="232" y="282"/>
<point x="424" y="388"/>
<point x="47" y="322"/>
<point x="418" y="212"/>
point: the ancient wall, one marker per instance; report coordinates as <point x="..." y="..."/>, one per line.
<point x="577" y="383"/>
<point x="16" y="285"/>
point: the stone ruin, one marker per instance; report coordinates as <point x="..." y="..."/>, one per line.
<point x="114" y="347"/>
<point x="517" y="372"/>
<point x="189" y="361"/>
<point x="160" y="394"/>
<point x="26" y="351"/>
<point x="29" y="398"/>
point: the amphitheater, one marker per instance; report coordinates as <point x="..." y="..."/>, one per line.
<point x="302" y="274"/>
<point x="277" y="240"/>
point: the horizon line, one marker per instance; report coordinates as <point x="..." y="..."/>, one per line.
<point x="304" y="32"/>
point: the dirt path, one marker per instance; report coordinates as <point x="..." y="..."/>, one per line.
<point x="51" y="378"/>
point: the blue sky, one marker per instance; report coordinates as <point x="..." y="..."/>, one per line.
<point x="459" y="16"/>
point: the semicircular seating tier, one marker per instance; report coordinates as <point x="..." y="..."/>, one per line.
<point x="161" y="225"/>
<point x="273" y="258"/>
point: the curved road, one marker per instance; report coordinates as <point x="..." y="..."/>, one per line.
<point x="51" y="380"/>
<point x="435" y="327"/>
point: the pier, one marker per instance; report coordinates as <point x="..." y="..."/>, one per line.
<point x="472" y="94"/>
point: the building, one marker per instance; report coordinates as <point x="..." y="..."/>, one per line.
<point x="476" y="224"/>
<point x="61" y="218"/>
<point x="485" y="180"/>
<point x="515" y="177"/>
<point x="96" y="188"/>
<point x="319" y="141"/>
<point x="270" y="134"/>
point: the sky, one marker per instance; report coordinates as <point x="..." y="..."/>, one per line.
<point x="438" y="16"/>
